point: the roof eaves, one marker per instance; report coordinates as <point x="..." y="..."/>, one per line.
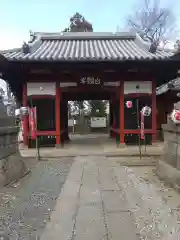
<point x="13" y="50"/>
<point x="85" y="60"/>
<point x="164" y="88"/>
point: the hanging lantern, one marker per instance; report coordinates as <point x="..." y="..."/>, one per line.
<point x="129" y="104"/>
<point x="175" y="116"/>
<point x="146" y="111"/>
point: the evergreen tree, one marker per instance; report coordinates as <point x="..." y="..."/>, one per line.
<point x="98" y="108"/>
<point x="79" y="106"/>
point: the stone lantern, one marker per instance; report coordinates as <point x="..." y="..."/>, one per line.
<point x="12" y="166"/>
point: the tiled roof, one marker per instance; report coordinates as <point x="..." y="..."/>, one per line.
<point x="164" y="88"/>
<point x="86" y="47"/>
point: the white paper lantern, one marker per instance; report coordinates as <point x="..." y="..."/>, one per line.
<point x="24" y="111"/>
<point x="146" y="111"/>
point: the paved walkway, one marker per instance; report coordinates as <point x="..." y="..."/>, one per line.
<point x="101" y="200"/>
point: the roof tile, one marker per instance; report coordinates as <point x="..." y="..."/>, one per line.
<point x="82" y="47"/>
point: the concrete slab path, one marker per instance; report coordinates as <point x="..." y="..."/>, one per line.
<point x="103" y="200"/>
<point x="91" y="205"/>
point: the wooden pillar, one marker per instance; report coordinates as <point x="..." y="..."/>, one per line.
<point x="111" y="118"/>
<point x="114" y="125"/>
<point x="66" y="122"/>
<point x="58" y="114"/>
<point x="153" y="110"/>
<point x="26" y="118"/>
<point x="121" y="112"/>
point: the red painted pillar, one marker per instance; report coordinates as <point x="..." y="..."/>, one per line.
<point x="121" y="111"/>
<point x="114" y="125"/>
<point x="153" y="110"/>
<point x="58" y="117"/>
<point x="26" y="118"/>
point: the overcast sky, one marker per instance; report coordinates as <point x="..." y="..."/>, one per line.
<point x="20" y="16"/>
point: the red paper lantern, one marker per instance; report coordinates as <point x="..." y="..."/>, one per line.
<point x="175" y="116"/>
<point x="129" y="104"/>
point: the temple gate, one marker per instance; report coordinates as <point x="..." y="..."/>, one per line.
<point x="57" y="67"/>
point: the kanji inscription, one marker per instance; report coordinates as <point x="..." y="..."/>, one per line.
<point x="90" y="81"/>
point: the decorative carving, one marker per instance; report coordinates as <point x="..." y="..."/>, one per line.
<point x="32" y="36"/>
<point x="25" y="48"/>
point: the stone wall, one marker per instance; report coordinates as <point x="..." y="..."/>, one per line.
<point x="168" y="168"/>
<point x="12" y="166"/>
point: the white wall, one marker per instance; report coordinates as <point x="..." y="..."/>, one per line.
<point x="44" y="88"/>
<point x="144" y="87"/>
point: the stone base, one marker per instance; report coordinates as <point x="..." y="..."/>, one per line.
<point x="168" y="174"/>
<point x="121" y="145"/>
<point x="58" y="146"/>
<point x="12" y="169"/>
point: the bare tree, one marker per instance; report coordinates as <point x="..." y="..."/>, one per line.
<point x="153" y="22"/>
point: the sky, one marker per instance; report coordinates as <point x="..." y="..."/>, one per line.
<point x="20" y="16"/>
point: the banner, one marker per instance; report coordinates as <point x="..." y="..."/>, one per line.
<point x="142" y="136"/>
<point x="32" y="122"/>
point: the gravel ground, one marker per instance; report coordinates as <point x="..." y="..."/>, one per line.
<point x="25" y="207"/>
<point x="156" y="207"/>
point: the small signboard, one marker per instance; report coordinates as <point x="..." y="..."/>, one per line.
<point x="90" y="81"/>
<point x="98" y="122"/>
<point x="71" y="122"/>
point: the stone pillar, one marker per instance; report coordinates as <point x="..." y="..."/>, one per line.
<point x="12" y="167"/>
<point x="168" y="167"/>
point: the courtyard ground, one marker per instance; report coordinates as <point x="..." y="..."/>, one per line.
<point x="93" y="144"/>
<point x="89" y="197"/>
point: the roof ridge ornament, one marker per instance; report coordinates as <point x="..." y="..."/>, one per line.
<point x="33" y="36"/>
<point x="25" y="48"/>
<point x="153" y="47"/>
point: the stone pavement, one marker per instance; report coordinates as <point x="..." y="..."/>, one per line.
<point x="108" y="150"/>
<point x="93" y="144"/>
<point x="91" y="205"/>
<point x="103" y="200"/>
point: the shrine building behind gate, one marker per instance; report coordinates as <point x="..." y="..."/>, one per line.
<point x="54" y="68"/>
